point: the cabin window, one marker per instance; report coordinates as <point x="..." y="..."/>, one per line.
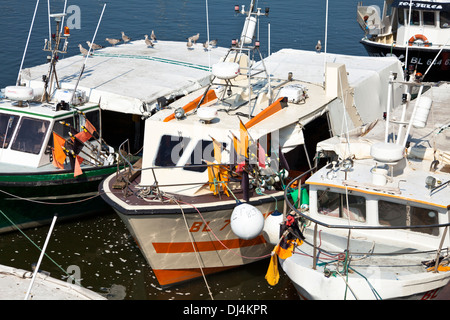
<point x="30" y="135"/>
<point x="428" y="18"/>
<point x="204" y="150"/>
<point x="335" y="205"/>
<point x="444" y="19"/>
<point x="396" y="214"/>
<point x="401" y="16"/>
<point x="415" y="18"/>
<point x="8" y="124"/>
<point x="170" y="150"/>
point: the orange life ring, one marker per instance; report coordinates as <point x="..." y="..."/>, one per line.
<point x="419" y="37"/>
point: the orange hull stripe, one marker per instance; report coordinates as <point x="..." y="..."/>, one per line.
<point x="171" y="277"/>
<point x="210" y="96"/>
<point x="185" y="247"/>
<point x="267" y="112"/>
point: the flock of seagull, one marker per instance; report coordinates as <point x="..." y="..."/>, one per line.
<point x="149" y="41"/>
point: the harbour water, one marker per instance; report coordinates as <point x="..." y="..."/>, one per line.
<point x="99" y="250"/>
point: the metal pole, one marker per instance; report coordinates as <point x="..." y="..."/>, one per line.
<point x="28" y="40"/>
<point x="41" y="256"/>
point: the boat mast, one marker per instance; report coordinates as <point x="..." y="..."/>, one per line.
<point x="52" y="45"/>
<point x="26" y="45"/>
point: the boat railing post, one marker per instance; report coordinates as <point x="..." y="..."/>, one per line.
<point x="41" y="256"/>
<point x="315" y="247"/>
<point x="436" y="263"/>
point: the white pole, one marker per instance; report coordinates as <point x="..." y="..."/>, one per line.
<point x="28" y="40"/>
<point x="326" y="37"/>
<point x="431" y="64"/>
<point x="207" y="32"/>
<point x="49" y="22"/>
<point x="407" y="35"/>
<point x="64" y="11"/>
<point x="268" y="64"/>
<point x="95" y="34"/>
<point x="41" y="256"/>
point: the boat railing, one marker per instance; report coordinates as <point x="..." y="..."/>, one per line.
<point x="302" y="213"/>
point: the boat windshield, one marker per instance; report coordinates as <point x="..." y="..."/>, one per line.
<point x="172" y="148"/>
<point x="396" y="214"/>
<point x="8" y="124"/>
<point x="30" y="135"/>
<point x="445" y="19"/>
<point x="335" y="205"/>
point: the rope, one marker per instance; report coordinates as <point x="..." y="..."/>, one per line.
<point x="49" y="203"/>
<point x="193" y="247"/>
<point x="10" y="221"/>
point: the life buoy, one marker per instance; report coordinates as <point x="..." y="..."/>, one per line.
<point x="421" y="37"/>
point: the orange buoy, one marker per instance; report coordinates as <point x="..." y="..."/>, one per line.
<point x="420" y="37"/>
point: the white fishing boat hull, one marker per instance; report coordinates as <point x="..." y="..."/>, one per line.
<point x="14" y="284"/>
<point x="183" y="245"/>
<point x="400" y="277"/>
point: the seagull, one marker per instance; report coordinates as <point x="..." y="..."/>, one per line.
<point x="83" y="51"/>
<point x="113" y="41"/>
<point x="195" y="37"/>
<point x="318" y="46"/>
<point x="125" y="38"/>
<point x="148" y="42"/>
<point x="213" y="43"/>
<point x="152" y="36"/>
<point x="189" y="43"/>
<point x="94" y="46"/>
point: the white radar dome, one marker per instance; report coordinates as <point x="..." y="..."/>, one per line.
<point x="225" y="70"/>
<point x="19" y="93"/>
<point x="247" y="222"/>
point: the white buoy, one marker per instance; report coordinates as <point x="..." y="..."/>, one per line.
<point x="423" y="109"/>
<point x="271" y="230"/>
<point x="247" y="222"/>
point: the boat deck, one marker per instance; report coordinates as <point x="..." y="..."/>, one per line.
<point x="14" y="284"/>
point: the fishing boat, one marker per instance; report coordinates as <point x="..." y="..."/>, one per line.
<point x="15" y="282"/>
<point x="215" y="162"/>
<point x="113" y="89"/>
<point x="375" y="223"/>
<point x="52" y="156"/>
<point x="416" y="32"/>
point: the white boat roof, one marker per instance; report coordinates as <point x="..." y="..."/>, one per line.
<point x="289" y="120"/>
<point x="14" y="284"/>
<point x="426" y="145"/>
<point x="125" y="76"/>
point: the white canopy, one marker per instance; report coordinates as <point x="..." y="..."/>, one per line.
<point x="127" y="75"/>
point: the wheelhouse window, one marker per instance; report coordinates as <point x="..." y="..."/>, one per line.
<point x="30" y="135"/>
<point x="202" y="153"/>
<point x="444" y="19"/>
<point x="396" y="214"/>
<point x="171" y="149"/>
<point x="428" y="18"/>
<point x="8" y="124"/>
<point x="335" y="205"/>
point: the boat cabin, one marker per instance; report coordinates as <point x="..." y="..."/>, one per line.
<point x="26" y="127"/>
<point x="429" y="22"/>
